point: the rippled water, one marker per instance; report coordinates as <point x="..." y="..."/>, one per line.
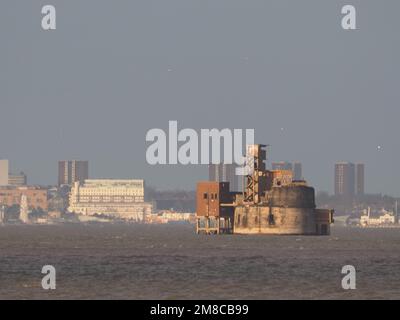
<point x="171" y="262"/>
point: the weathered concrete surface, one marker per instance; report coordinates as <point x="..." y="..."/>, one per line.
<point x="274" y="220"/>
<point x="292" y="197"/>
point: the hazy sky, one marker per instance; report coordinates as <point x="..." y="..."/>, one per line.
<point x="115" y="69"/>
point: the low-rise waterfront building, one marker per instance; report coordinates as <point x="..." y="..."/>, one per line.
<point x="122" y="199"/>
<point x="36" y="196"/>
<point x="167" y="216"/>
<point x="381" y="218"/>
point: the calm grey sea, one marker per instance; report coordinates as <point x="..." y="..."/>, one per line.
<point x="172" y="262"/>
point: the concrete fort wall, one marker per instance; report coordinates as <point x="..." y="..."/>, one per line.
<point x="274" y="220"/>
<point x="292" y="197"/>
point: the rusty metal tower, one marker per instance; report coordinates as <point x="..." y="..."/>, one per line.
<point x="255" y="161"/>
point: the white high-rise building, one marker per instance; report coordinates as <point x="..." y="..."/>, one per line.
<point x="4" y="170"/>
<point x="2" y="214"/>
<point x="24" y="209"/>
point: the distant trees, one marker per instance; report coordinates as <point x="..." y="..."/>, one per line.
<point x="12" y="212"/>
<point x="37" y="213"/>
<point x="345" y="205"/>
<point x="172" y="199"/>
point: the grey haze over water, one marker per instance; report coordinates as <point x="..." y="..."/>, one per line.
<point x="115" y="69"/>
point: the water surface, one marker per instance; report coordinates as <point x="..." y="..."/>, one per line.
<point x="172" y="262"/>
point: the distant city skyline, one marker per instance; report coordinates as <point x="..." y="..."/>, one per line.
<point x="91" y="90"/>
<point x="71" y="171"/>
<point x="349" y="179"/>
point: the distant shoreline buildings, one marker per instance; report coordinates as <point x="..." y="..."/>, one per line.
<point x="103" y="198"/>
<point x="121" y="199"/>
<point x="378" y="219"/>
<point x="80" y="199"/>
<point x="36" y="196"/>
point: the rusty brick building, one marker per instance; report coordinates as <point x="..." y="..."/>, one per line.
<point x="214" y="207"/>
